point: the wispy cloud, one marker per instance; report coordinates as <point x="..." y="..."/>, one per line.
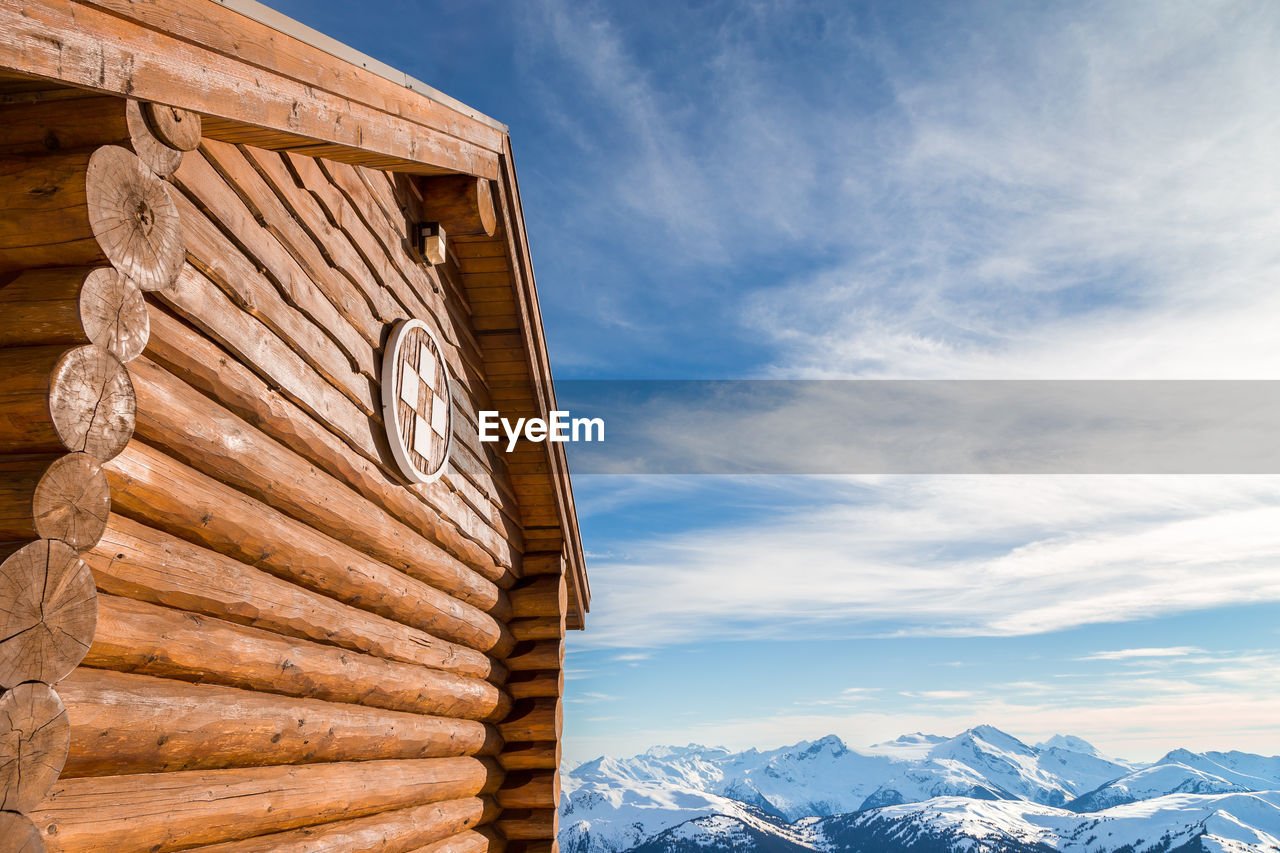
<point x="958" y="556"/>
<point x="1131" y="654"/>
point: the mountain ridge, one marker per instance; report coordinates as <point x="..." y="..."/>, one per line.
<point x="980" y="790"/>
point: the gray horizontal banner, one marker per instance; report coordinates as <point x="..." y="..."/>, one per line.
<point x="925" y="427"/>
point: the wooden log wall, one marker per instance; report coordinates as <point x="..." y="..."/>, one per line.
<point x="228" y="623"/>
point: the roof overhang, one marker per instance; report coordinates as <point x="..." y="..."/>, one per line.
<point x="260" y="78"/>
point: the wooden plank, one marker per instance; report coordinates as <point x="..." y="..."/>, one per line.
<point x="171" y="811"/>
<point x="100" y="51"/>
<point x="123" y="723"/>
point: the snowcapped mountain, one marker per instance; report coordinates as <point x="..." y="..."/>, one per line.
<point x="982" y="791"/>
<point x="1228" y="823"/>
<point x="1154" y="781"/>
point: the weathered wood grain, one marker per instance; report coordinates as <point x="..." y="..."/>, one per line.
<point x="53" y="497"/>
<point x="84" y="122"/>
<point x="136" y="637"/>
<point x="100" y="51"/>
<point x="33" y="744"/>
<point x="449" y="523"/>
<point x="194" y="429"/>
<point x="170" y="811"/>
<point x="75" y="305"/>
<point x="389" y="832"/>
<point x="18" y="834"/>
<point x="48" y="609"/>
<point x="125" y="723"/>
<point x="139" y="562"/>
<point x="156" y="490"/>
<point x="54" y="399"/>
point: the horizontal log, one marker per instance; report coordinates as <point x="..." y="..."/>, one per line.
<point x="224" y="263"/>
<point x="54" y="399"/>
<point x="125" y="723"/>
<point x="530" y="755"/>
<point x="465" y="842"/>
<point x="545" y="595"/>
<point x="537" y="655"/>
<point x="530" y="789"/>
<point x="48" y="609"/>
<point x="156" y="490"/>
<point x="533" y="720"/>
<point x="531" y="685"/>
<point x="462" y="204"/>
<point x="398" y="831"/>
<point x="80" y="209"/>
<point x="86" y="122"/>
<point x="170" y="811"/>
<point x="191" y="427"/>
<point x="133" y="636"/>
<point x="75" y="305"/>
<point x="542" y="562"/>
<point x="538" y="628"/>
<point x="522" y="824"/>
<point x="205" y="366"/>
<point x="219" y="199"/>
<point x="139" y="562"/>
<point x="53" y="497"/>
<point x="18" y="834"/>
<point x="33" y="744"/>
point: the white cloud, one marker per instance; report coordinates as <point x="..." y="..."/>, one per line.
<point x="950" y="556"/>
<point x="1130" y="654"/>
<point x="1097" y="198"/>
<point x="1135" y="718"/>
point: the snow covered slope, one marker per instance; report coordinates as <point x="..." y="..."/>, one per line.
<point x="982" y="791"/>
<point x="1154" y="781"/>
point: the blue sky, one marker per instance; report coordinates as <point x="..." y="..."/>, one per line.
<point x="904" y="190"/>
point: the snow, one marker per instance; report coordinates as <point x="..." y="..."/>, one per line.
<point x="980" y="784"/>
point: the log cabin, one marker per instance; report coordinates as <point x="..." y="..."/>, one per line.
<point x="262" y="588"/>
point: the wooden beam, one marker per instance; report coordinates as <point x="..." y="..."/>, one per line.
<point x="172" y="62"/>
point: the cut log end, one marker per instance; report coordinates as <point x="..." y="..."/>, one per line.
<point x="133" y="218"/>
<point x="72" y="501"/>
<point x="34" y="737"/>
<point x="176" y="128"/>
<point x="92" y="402"/>
<point x="463" y="204"/>
<point x="113" y="314"/>
<point x="157" y="154"/>
<point x="48" y="612"/>
<point x="19" y="835"/>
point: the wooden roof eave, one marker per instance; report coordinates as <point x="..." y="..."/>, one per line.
<point x="246" y="78"/>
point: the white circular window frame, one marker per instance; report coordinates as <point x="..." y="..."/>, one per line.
<point x="390" y="399"/>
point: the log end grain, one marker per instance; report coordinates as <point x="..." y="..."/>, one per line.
<point x="179" y="129"/>
<point x="72" y="501"/>
<point x="159" y="156"/>
<point x="48" y="612"/>
<point x="19" y="835"/>
<point x="34" y="736"/>
<point x="92" y="402"/>
<point x="133" y="218"/>
<point x="113" y="314"/>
